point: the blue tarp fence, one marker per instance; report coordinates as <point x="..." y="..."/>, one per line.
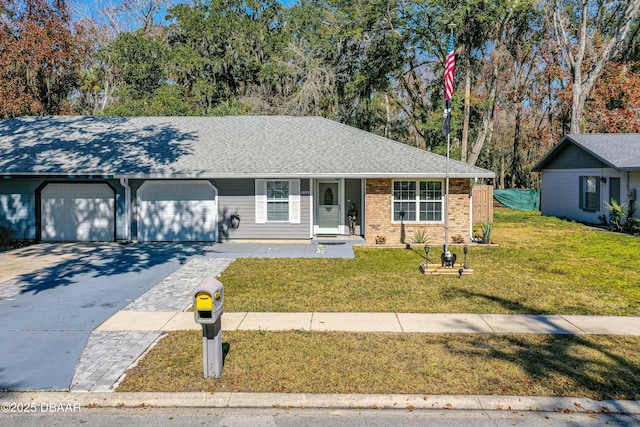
<point x="524" y="200"/>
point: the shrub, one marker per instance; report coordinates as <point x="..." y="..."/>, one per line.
<point x="420" y="237"/>
<point x="457" y="239"/>
<point x="486" y="231"/>
<point x="616" y="214"/>
<point x="6" y="238"/>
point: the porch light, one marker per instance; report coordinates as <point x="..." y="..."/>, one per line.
<point x="603" y="179"/>
<point x="465" y="250"/>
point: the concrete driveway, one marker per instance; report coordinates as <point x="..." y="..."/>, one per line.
<point x="53" y="296"/>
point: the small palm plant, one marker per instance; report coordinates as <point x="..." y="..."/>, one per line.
<point x="420" y="237"/>
<point x="616" y="214"/>
<point x="486" y="232"/>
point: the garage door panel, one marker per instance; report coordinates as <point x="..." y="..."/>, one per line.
<point x="177" y="211"/>
<point x="77" y="212"/>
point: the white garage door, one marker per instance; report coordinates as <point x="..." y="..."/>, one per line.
<point x="177" y="211"/>
<point x="77" y="212"/>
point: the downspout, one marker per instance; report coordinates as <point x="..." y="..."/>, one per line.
<point x="312" y="184"/>
<point x="127" y="208"/>
<point x="631" y="196"/>
<point x="471" y="211"/>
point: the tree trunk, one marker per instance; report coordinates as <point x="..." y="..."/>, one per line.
<point x="502" y="173"/>
<point x="516" y="163"/>
<point x="487" y="120"/>
<point x="610" y="47"/>
<point x="388" y="121"/>
<point x="467" y="109"/>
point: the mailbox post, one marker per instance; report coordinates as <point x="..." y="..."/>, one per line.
<point x="208" y="306"/>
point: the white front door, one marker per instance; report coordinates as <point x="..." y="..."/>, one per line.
<point x="328" y="208"/>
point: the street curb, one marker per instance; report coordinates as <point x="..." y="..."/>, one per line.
<point x="320" y="401"/>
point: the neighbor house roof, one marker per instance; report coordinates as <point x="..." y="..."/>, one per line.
<point x="620" y="151"/>
<point x="242" y="146"/>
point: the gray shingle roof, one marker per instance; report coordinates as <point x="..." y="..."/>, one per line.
<point x="620" y="151"/>
<point x="242" y="146"/>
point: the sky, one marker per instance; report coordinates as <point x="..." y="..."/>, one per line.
<point x="86" y="8"/>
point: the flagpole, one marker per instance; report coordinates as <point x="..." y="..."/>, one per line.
<point x="446" y="198"/>
<point x="446" y="191"/>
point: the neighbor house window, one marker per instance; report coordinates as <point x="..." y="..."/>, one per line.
<point x="417" y="201"/>
<point x="590" y="193"/>
<point x="277" y="200"/>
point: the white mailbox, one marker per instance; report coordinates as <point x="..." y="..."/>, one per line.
<point x="208" y="306"/>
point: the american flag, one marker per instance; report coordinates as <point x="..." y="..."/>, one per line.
<point x="450" y="64"/>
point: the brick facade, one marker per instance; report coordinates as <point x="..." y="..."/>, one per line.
<point x="378" y="203"/>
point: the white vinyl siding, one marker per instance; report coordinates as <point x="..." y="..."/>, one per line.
<point x="417" y="201"/>
<point x="560" y="195"/>
<point x="277" y="201"/>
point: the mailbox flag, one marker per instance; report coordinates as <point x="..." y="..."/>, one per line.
<point x="449" y="66"/>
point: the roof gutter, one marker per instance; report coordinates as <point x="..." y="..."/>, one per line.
<point x="489" y="175"/>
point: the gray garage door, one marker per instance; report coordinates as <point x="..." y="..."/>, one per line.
<point x="77" y="212"/>
<point x="177" y="211"/>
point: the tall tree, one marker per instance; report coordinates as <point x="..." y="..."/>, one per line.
<point x="39" y="62"/>
<point x="589" y="34"/>
<point x="614" y="105"/>
<point x="218" y="48"/>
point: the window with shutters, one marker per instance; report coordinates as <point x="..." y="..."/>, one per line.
<point x="277" y="200"/>
<point x="590" y="193"/>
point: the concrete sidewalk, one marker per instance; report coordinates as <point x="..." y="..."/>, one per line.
<point x="382" y="322"/>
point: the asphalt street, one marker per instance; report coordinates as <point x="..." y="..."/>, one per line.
<point x="245" y="417"/>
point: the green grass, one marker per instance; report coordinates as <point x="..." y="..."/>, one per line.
<point x="316" y="362"/>
<point x="542" y="265"/>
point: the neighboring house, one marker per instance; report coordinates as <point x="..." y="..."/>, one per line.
<point x="182" y="178"/>
<point x="584" y="171"/>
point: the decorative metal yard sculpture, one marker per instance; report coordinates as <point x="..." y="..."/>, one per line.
<point x="448" y="259"/>
<point x="352" y="214"/>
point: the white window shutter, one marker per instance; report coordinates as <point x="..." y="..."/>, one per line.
<point x="261" y="201"/>
<point x="294" y="201"/>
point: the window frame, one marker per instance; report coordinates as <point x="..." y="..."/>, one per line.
<point x="280" y="201"/>
<point x="589" y="203"/>
<point x="417" y="201"/>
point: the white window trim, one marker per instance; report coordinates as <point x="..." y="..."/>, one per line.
<point x="417" y="201"/>
<point x="261" y="201"/>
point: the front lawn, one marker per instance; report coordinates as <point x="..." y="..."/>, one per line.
<point x="339" y="362"/>
<point x="541" y="265"/>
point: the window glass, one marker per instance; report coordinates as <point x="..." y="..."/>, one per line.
<point x="277" y="200"/>
<point x="404" y="190"/>
<point x="417" y="201"/>
<point x="591" y="197"/>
